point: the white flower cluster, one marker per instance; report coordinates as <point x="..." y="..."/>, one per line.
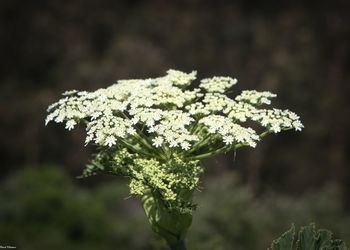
<point x="244" y="107"/>
<point x="229" y="131"/>
<point x="179" y="78"/>
<point x="217" y="84"/>
<point x="166" y="112"/>
<point x="277" y="120"/>
<point x="255" y="97"/>
<point x="172" y="130"/>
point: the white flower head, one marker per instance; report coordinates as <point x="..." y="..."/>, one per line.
<point x="218" y="84"/>
<point x="254" y="97"/>
<point x="166" y="114"/>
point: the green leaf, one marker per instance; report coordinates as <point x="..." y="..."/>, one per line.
<point x="285" y="242"/>
<point x="324" y="239"/>
<point x="338" y="245"/>
<point x="308" y="239"/>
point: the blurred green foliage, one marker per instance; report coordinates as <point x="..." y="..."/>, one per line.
<point x="230" y="217"/>
<point x="42" y="208"/>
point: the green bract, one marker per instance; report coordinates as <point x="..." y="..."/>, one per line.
<point x="155" y="131"/>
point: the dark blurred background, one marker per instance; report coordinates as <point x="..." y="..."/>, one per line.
<point x="297" y="49"/>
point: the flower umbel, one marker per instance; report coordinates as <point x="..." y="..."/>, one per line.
<point x="156" y="130"/>
<point x="167" y="114"/>
<point x="158" y="118"/>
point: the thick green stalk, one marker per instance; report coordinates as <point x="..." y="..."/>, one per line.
<point x="171" y="225"/>
<point x="181" y="245"/>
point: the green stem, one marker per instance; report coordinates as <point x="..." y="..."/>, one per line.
<point x="216" y="152"/>
<point x="264" y="133"/>
<point x="140" y="136"/>
<point x="138" y="150"/>
<point x="134" y="148"/>
<point x="171" y="225"/>
<point x="197" y="145"/>
<point x="181" y="245"/>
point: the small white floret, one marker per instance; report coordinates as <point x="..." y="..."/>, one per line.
<point x="157" y="141"/>
<point x="110" y="141"/>
<point x="70" y="124"/>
